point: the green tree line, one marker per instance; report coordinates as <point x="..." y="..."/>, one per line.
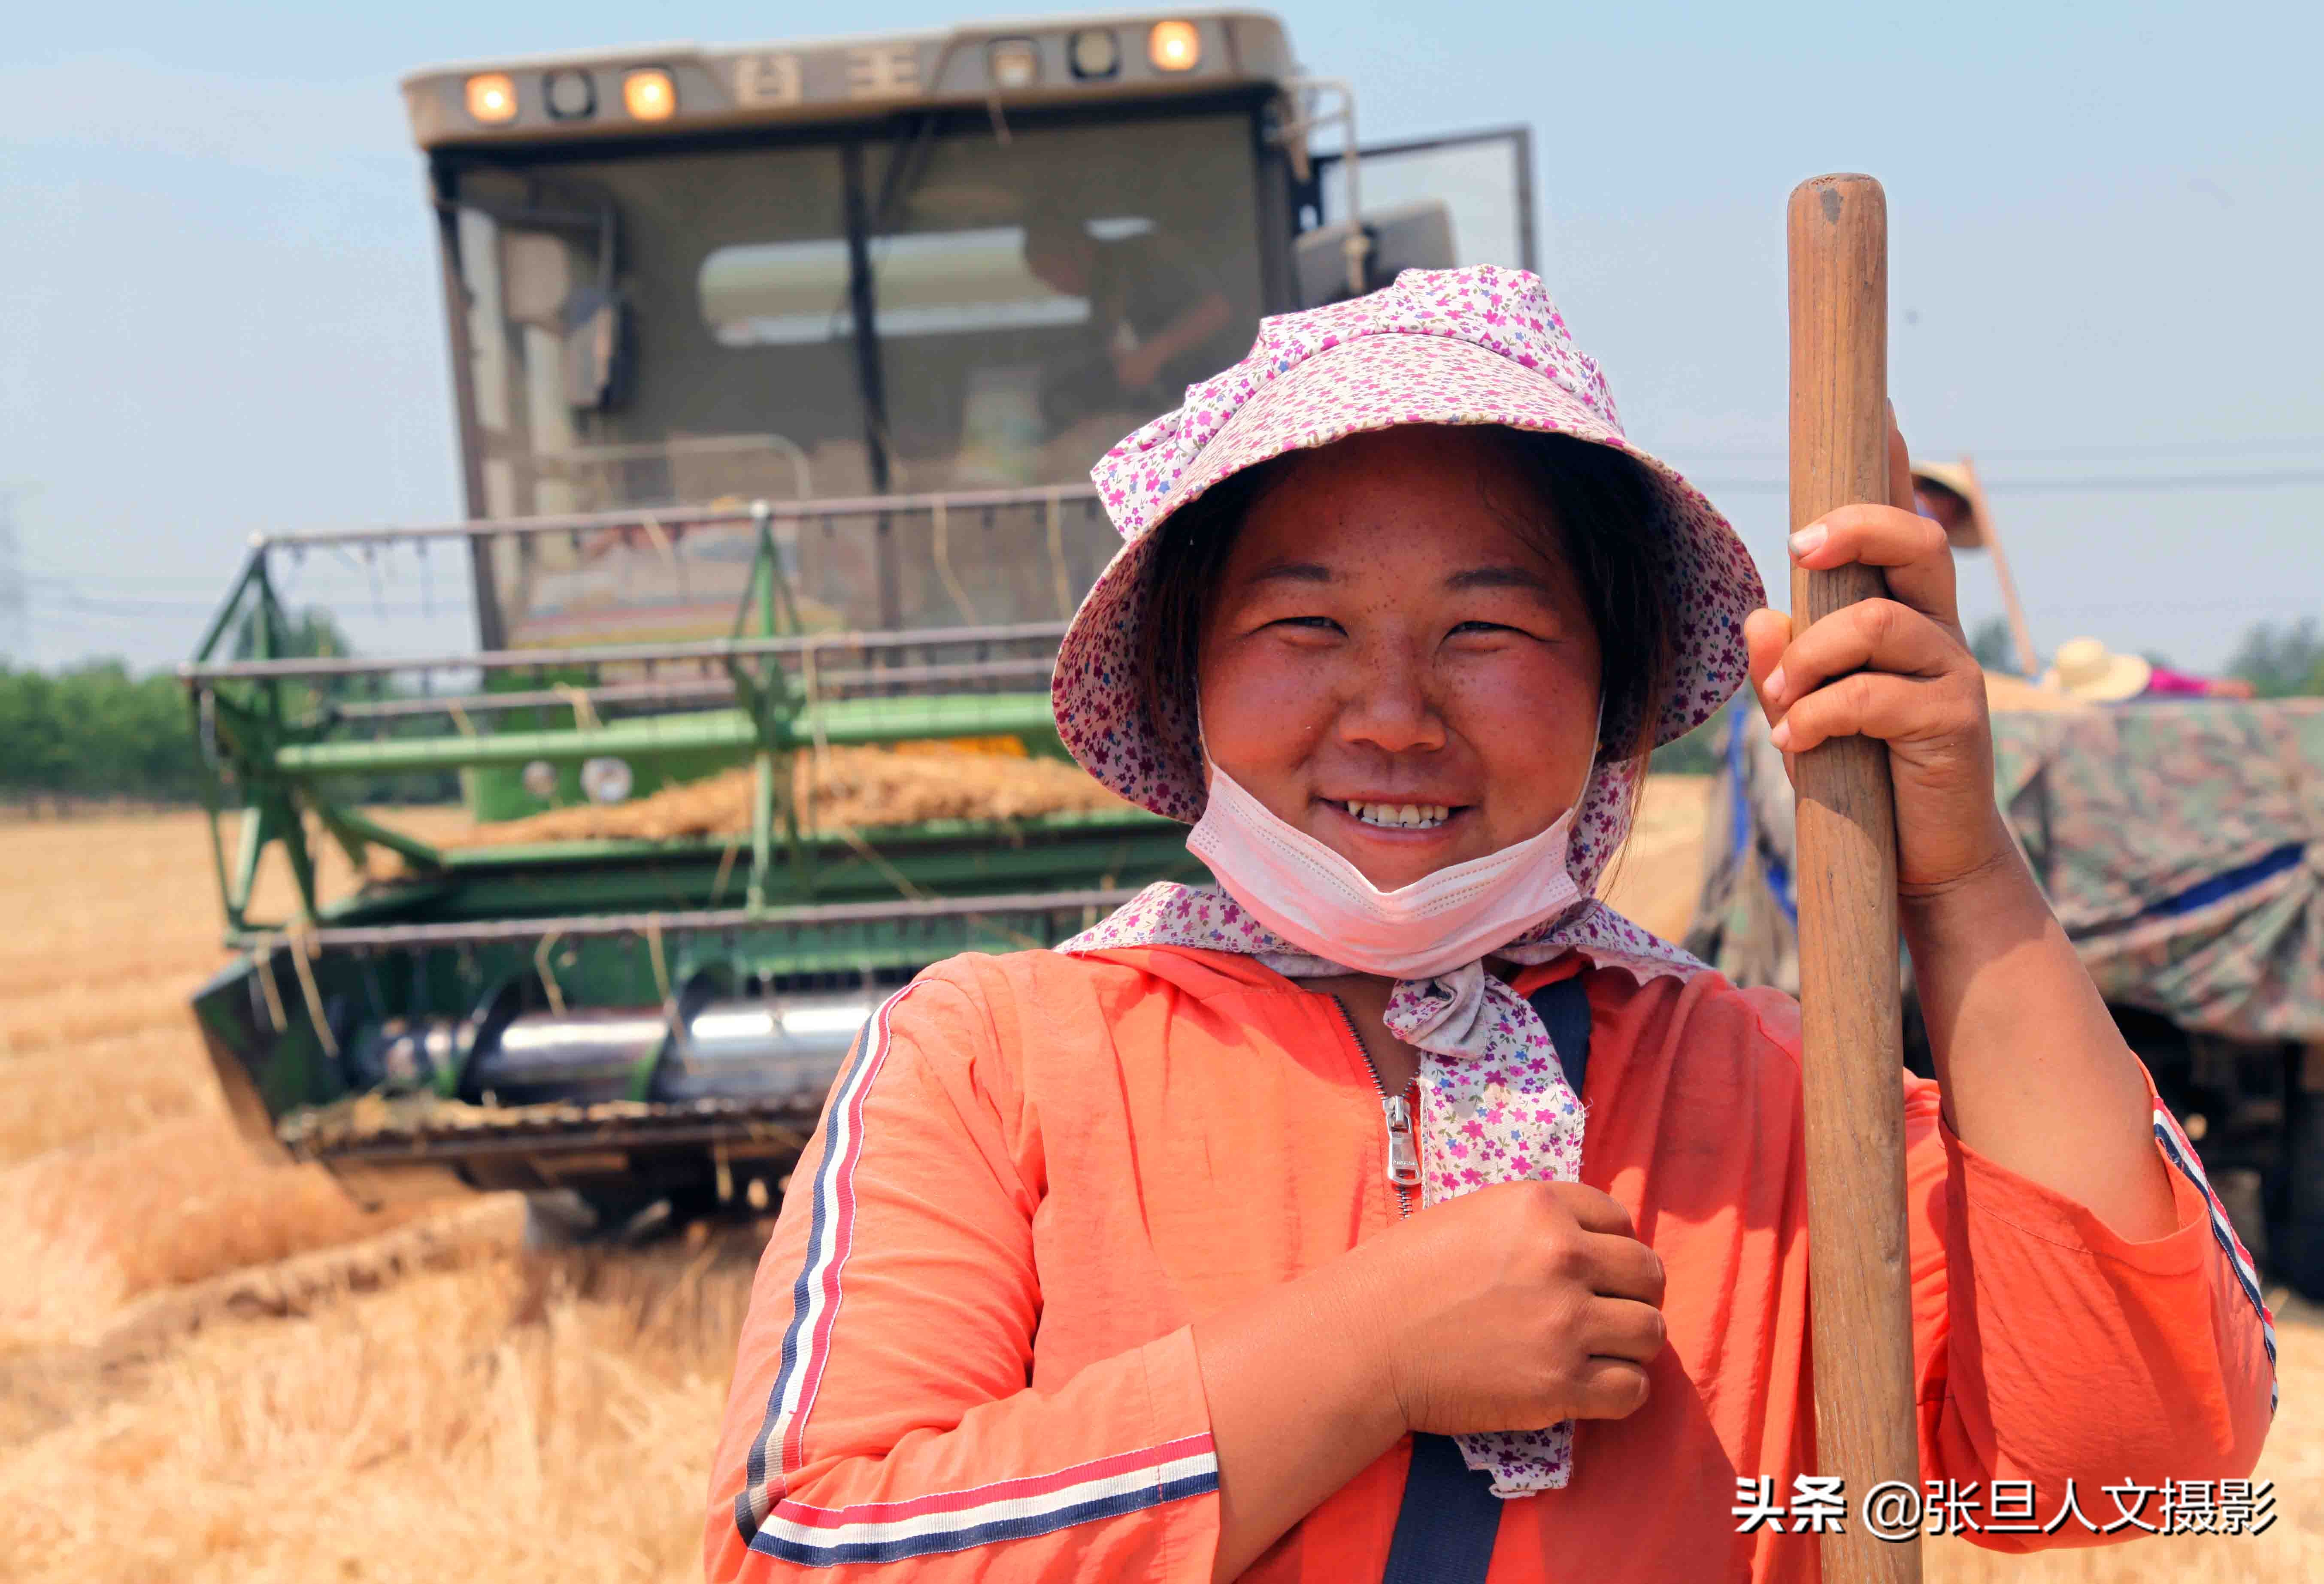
<point x="96" y="731"/>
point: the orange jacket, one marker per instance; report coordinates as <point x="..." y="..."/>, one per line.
<point x="970" y="1348"/>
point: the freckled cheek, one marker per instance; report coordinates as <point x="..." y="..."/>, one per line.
<point x="1530" y="726"/>
<point x="1260" y="717"/>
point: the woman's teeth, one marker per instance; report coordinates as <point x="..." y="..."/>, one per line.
<point x="1401" y="816"/>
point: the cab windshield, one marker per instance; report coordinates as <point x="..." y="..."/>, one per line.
<point x="964" y="303"/>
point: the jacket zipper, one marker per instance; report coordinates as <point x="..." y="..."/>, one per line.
<point x="1403" y="1151"/>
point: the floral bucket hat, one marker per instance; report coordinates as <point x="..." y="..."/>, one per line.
<point x="1479" y="345"/>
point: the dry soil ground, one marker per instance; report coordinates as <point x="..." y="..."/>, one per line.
<point x="214" y="1370"/>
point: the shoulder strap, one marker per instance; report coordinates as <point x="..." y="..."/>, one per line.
<point x="1564" y="1011"/>
<point x="1444" y="1530"/>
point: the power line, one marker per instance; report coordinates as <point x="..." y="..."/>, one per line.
<point x="2077" y="484"/>
<point x="2159" y="483"/>
<point x="66" y="576"/>
<point x="55" y="591"/>
<point x="2289" y="602"/>
<point x="2275" y="446"/>
<point x="2183" y="451"/>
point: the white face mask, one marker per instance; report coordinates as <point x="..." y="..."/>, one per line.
<point x="1320" y="901"/>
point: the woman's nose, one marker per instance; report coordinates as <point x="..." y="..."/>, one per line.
<point x="1390" y="706"/>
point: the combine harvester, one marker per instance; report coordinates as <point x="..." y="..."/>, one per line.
<point x="779" y="372"/>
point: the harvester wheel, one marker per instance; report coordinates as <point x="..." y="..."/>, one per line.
<point x="2299" y="1242"/>
<point x="558" y="1219"/>
<point x="565" y="1218"/>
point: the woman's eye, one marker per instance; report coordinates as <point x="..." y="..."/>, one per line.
<point x="1308" y="623"/>
<point x="1479" y="629"/>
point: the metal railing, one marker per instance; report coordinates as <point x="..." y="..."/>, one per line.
<point x="286" y="734"/>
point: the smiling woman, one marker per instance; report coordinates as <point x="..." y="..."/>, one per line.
<point x="1252" y="1232"/>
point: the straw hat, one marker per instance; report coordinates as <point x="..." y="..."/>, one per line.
<point x="1966" y="525"/>
<point x="2086" y="668"/>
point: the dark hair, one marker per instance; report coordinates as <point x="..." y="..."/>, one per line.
<point x="1600" y="524"/>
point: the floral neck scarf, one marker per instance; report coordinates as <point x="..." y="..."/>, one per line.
<point x="1494" y="1103"/>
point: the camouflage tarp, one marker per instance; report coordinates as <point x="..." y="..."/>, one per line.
<point x="2173" y="839"/>
<point x="1744" y="920"/>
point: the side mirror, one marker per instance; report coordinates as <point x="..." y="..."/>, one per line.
<point x="1414" y="236"/>
<point x="538" y="290"/>
<point x="596" y="350"/>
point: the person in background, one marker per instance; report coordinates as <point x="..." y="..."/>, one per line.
<point x="1947" y="494"/>
<point x="2086" y="668"/>
<point x="1951" y="495"/>
<point x="1156" y="315"/>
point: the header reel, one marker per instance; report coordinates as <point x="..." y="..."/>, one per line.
<point x="616" y="1012"/>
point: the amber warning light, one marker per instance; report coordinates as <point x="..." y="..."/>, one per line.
<point x="492" y="97"/>
<point x="1014" y="63"/>
<point x="1174" y="46"/>
<point x="650" y="95"/>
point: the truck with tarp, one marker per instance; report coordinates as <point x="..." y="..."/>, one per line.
<point x="779" y="372"/>
<point x="2176" y="843"/>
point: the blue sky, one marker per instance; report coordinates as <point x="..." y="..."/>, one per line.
<point x="219" y="312"/>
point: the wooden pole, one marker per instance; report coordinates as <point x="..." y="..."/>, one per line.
<point x="1852" y="1039"/>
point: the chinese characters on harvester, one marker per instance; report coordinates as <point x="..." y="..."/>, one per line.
<point x="1896" y="1510"/>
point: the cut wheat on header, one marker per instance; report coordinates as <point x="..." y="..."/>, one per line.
<point x="864" y="788"/>
<point x="833" y="790"/>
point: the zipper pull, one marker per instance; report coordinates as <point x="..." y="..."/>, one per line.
<point x="1403" y="1154"/>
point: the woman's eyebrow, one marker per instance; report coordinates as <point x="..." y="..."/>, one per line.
<point x="1294" y="572"/>
<point x="1502" y="577"/>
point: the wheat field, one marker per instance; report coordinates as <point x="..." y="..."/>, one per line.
<point x="212" y="1369"/>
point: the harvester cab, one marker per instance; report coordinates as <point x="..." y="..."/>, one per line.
<point x="778" y="374"/>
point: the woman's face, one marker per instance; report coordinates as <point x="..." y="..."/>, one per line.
<point x="1390" y="665"/>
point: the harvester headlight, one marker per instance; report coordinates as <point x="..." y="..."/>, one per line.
<point x="571" y="95"/>
<point x="491" y="98"/>
<point x="1013" y="63"/>
<point x="607" y="779"/>
<point x="1174" y="46"/>
<point x="540" y="778"/>
<point x="1094" y="52"/>
<point x="650" y="95"/>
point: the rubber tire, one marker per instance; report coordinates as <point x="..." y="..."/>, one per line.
<point x="566" y="1218"/>
<point x="556" y="1218"/>
<point x="2297" y="1252"/>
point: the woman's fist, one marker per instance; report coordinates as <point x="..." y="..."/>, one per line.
<point x="1897" y="670"/>
<point x="1513" y="1307"/>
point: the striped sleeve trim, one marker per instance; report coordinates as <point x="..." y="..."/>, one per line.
<point x="2181" y="1153"/>
<point x="1009" y="1509"/>
<point x="776" y="1450"/>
